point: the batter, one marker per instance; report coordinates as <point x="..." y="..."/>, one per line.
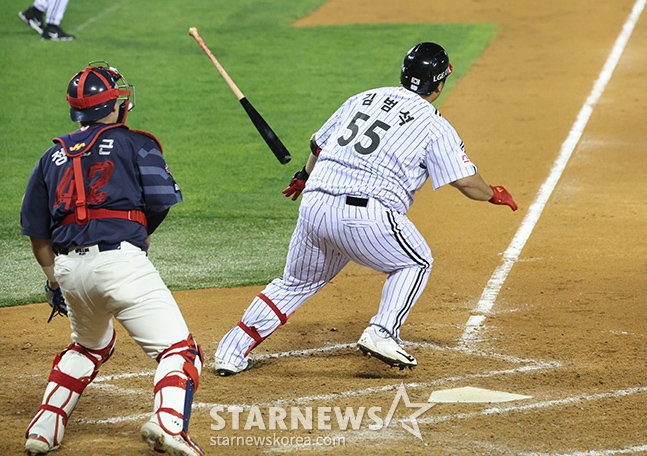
<point x="54" y="12"/>
<point x="367" y="162"/>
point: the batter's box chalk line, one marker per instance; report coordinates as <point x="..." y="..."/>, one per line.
<point x="110" y="385"/>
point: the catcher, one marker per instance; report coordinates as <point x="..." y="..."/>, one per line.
<point x="91" y="204"/>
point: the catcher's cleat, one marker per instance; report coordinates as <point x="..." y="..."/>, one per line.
<point x="37" y="445"/>
<point x="375" y="341"/>
<point x="226" y="369"/>
<point x="174" y="445"/>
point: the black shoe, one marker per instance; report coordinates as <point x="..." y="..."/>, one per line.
<point x="33" y="18"/>
<point x="54" y="33"/>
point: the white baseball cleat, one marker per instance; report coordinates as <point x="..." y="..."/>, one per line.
<point x="225" y="369"/>
<point x="37" y="445"/>
<point x="375" y="341"/>
<point x="174" y="445"/>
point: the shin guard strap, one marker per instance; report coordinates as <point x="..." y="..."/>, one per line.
<point x="76" y="385"/>
<point x="281" y="316"/>
<point x="190" y="351"/>
<point x="193" y="374"/>
<point x="170" y="411"/>
<point x="187" y="348"/>
<point x="253" y="333"/>
<point x="170" y="380"/>
<point x="59" y="411"/>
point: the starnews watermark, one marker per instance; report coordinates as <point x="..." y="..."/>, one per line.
<point x="275" y="441"/>
<point x="281" y="419"/>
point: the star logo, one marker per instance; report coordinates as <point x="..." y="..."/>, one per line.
<point x="421" y="406"/>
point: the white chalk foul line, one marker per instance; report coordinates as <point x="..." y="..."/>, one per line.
<point x="99" y="16"/>
<point x="386" y="388"/>
<point x="511" y="255"/>
<point x="109" y="378"/>
<point x="104" y="381"/>
<point x="423" y="345"/>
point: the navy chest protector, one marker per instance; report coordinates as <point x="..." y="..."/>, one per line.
<point x="75" y="145"/>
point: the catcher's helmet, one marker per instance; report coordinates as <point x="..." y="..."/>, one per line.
<point x="93" y="92"/>
<point x="425" y="66"/>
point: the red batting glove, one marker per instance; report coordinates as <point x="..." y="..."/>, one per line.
<point x="297" y="184"/>
<point x="502" y="196"/>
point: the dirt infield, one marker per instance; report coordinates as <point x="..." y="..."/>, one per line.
<point x="566" y="329"/>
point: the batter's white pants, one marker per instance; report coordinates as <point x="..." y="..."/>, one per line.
<point x="54" y="10"/>
<point x="329" y="234"/>
<point x="122" y="284"/>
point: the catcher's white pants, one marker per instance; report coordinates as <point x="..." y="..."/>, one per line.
<point x="124" y="284"/>
<point x="329" y="234"/>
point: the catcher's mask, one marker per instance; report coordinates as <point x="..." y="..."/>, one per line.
<point x="93" y="92"/>
<point x="425" y="66"/>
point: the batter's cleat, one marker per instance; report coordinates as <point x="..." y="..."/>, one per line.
<point x="173" y="445"/>
<point x="37" y="445"/>
<point x="375" y="341"/>
<point x="33" y="18"/>
<point x="226" y="369"/>
<point x="55" y="33"/>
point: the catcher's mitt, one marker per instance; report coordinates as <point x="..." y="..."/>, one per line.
<point x="56" y="301"/>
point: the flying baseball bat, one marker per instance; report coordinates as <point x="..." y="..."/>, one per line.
<point x="261" y="125"/>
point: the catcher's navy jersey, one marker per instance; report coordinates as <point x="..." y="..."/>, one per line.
<point x="123" y="170"/>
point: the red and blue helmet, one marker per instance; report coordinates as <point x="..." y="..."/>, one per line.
<point x="93" y="92"/>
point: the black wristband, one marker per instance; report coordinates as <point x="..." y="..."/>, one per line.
<point x="302" y="175"/>
<point x="314" y="148"/>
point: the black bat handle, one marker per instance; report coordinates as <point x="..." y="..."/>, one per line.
<point x="274" y="143"/>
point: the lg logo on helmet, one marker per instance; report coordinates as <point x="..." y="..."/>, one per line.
<point x="441" y="76"/>
<point x="444" y="74"/>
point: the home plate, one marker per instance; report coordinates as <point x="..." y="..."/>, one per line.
<point x="470" y="394"/>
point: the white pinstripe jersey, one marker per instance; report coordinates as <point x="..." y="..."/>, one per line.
<point x="384" y="144"/>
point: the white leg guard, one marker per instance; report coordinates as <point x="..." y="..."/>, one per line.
<point x="72" y="370"/>
<point x="176" y="379"/>
<point x="259" y="321"/>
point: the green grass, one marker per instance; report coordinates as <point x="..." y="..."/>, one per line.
<point x="234" y="226"/>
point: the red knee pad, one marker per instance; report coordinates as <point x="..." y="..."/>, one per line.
<point x="190" y="351"/>
<point x="97" y="357"/>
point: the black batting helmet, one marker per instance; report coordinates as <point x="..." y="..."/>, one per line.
<point x="425" y="66"/>
<point x="93" y="92"/>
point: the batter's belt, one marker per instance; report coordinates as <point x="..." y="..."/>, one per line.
<point x="354" y="201"/>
